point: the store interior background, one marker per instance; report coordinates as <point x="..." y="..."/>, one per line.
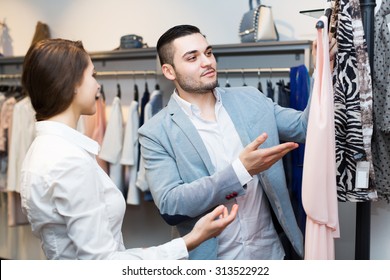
<point x="100" y="24"/>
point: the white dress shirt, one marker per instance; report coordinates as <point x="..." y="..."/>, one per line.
<point x="72" y="204"/>
<point x="251" y="235"/>
<point x="22" y="135"/>
<point x="113" y="143"/>
<point x="130" y="153"/>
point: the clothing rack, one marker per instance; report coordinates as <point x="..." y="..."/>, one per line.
<point x="151" y="72"/>
<point x="124" y="73"/>
<point x="10" y="76"/>
<point x="254" y="70"/>
<point x="98" y="73"/>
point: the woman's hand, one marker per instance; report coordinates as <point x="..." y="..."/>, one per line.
<point x="210" y="225"/>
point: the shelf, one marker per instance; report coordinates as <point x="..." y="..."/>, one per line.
<point x="228" y="49"/>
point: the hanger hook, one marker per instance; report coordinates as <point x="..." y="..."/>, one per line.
<point x="243" y="77"/>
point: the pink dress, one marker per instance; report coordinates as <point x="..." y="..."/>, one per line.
<point x="319" y="191"/>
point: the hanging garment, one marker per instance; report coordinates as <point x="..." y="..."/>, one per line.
<point x="95" y="128"/>
<point x="381" y="92"/>
<point x="3" y="154"/>
<point x="130" y="153"/>
<point x="283" y="94"/>
<point x="152" y="107"/>
<point x="364" y="82"/>
<point x="299" y="96"/>
<point x="22" y="134"/>
<point x="112" y="144"/>
<point x="319" y="195"/>
<point x="350" y="147"/>
<point x="144" y="100"/>
<point x="270" y="90"/>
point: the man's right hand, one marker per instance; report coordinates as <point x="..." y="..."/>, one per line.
<point x="256" y="160"/>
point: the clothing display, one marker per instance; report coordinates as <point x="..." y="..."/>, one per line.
<point x="381" y="100"/>
<point x="299" y="96"/>
<point x="319" y="190"/>
<point x="112" y="144"/>
<point x="350" y="143"/>
<point x="130" y="153"/>
<point x="95" y="127"/>
<point x="153" y="106"/>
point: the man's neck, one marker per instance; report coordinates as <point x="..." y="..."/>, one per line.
<point x="204" y="101"/>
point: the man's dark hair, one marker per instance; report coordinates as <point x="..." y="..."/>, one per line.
<point x="164" y="49"/>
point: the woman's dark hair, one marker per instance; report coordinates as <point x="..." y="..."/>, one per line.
<point x="164" y="49"/>
<point x="52" y="70"/>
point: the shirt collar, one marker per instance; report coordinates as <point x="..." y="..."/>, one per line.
<point x="191" y="109"/>
<point x="68" y="133"/>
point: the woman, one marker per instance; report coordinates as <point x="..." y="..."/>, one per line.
<point x="72" y="205"/>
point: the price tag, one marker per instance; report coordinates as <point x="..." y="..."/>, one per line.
<point x="362" y="171"/>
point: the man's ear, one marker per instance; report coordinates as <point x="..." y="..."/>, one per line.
<point x="168" y="71"/>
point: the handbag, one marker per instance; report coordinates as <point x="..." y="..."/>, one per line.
<point x="131" y="41"/>
<point x="258" y="24"/>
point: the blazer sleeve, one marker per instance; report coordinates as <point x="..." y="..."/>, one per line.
<point x="180" y="184"/>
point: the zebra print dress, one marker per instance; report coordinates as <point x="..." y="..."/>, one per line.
<point x="353" y="103"/>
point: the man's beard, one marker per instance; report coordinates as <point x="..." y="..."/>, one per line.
<point x="190" y="86"/>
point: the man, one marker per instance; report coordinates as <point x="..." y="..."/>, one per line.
<point x="213" y="146"/>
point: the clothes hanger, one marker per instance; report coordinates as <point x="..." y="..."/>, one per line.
<point x="118" y="92"/>
<point x="157" y="86"/>
<point x="259" y="85"/>
<point x="146" y="85"/>
<point x="102" y="93"/>
<point x="243" y="78"/>
<point x="227" y="80"/>
<point x="328" y="13"/>
<point x="136" y="93"/>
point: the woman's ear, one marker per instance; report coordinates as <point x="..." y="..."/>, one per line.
<point x="168" y="71"/>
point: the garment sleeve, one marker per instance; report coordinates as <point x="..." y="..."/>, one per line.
<point x="292" y="124"/>
<point x="79" y="200"/>
<point x="177" y="200"/>
<point x="112" y="144"/>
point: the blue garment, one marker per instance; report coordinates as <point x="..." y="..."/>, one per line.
<point x="299" y="96"/>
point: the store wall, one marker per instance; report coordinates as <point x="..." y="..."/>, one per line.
<point x="100" y="24"/>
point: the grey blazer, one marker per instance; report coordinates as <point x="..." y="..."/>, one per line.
<point x="182" y="179"/>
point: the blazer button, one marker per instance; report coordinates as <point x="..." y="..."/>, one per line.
<point x="235" y="194"/>
<point x="229" y="196"/>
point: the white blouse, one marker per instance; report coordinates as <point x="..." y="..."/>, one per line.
<point x="71" y="203"/>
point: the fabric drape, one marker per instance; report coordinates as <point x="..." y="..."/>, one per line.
<point x="319" y="195"/>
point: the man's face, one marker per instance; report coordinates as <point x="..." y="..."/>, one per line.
<point x="195" y="67"/>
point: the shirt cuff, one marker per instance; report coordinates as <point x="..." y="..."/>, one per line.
<point x="180" y="251"/>
<point x="243" y="176"/>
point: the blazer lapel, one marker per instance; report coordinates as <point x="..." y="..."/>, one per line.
<point x="237" y="119"/>
<point x="190" y="132"/>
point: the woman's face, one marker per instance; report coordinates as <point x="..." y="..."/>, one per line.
<point x="86" y="93"/>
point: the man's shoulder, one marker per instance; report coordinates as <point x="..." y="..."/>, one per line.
<point x="241" y="93"/>
<point x="156" y="120"/>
